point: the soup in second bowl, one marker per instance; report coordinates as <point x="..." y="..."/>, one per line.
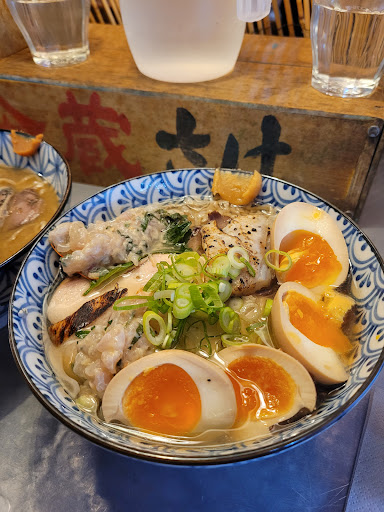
<point x="27" y="203"/>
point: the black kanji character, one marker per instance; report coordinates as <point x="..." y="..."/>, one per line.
<point x="184" y="139"/>
<point x="231" y="153"/>
<point x="270" y="147"/>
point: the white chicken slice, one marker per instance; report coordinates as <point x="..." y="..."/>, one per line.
<point x="252" y="232"/>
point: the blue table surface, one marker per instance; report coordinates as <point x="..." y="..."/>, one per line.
<point x="46" y="467"/>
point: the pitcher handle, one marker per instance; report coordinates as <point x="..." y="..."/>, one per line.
<point x="253" y="10"/>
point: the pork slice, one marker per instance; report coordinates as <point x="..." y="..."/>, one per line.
<point x="214" y="241"/>
<point x="24" y="207"/>
<point x="250" y="232"/>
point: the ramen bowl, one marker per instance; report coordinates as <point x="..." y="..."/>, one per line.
<point x="48" y="163"/>
<point x="41" y="266"/>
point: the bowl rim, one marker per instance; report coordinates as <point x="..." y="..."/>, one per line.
<point x="56" y="213"/>
<point x="197" y="460"/>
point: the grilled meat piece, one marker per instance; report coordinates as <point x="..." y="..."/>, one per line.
<point x="24" y="207"/>
<point x="85" y="315"/>
<point x="250" y="232"/>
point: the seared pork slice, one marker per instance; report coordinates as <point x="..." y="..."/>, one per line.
<point x="252" y="232"/>
<point x="24" y="207"/>
<point x="85" y="315"/>
<point x="215" y="241"/>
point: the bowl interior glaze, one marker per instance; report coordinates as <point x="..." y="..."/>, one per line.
<point x="41" y="266"/>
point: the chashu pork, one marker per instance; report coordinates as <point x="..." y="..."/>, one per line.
<point x="252" y="232"/>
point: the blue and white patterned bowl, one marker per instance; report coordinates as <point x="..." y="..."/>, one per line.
<point x="47" y="162"/>
<point x="41" y="267"/>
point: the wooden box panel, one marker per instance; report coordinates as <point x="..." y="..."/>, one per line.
<point x="111" y="136"/>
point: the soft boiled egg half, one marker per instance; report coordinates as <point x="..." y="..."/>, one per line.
<point x="271" y="386"/>
<point x="315" y="244"/>
<point x="304" y="329"/>
<point x="172" y="392"/>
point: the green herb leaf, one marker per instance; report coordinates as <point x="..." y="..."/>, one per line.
<point x="82" y="334"/>
<point x="138" y="335"/>
<point x="112" y="272"/>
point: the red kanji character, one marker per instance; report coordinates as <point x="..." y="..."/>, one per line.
<point x="10" y="118"/>
<point x="85" y="133"/>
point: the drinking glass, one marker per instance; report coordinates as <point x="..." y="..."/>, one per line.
<point x="56" y="31"/>
<point x="347" y="46"/>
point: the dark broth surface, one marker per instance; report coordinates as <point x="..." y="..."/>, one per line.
<point x="13" y="238"/>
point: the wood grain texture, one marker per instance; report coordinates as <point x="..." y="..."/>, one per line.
<point x="271" y="71"/>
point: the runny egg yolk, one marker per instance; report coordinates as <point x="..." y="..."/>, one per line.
<point x="164" y="399"/>
<point x="266" y="389"/>
<point x="311" y="319"/>
<point x="314" y="262"/>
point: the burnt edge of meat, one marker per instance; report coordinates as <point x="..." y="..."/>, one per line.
<point x="86" y="314"/>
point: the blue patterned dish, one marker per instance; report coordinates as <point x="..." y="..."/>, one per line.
<point x="47" y="162"/>
<point x="41" y="266"/>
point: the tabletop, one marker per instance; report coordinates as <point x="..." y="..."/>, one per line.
<point x="45" y="466"/>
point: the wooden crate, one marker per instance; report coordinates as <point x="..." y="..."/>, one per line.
<point x="112" y="123"/>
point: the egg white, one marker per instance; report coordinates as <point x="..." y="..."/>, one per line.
<point x="305" y="393"/>
<point x="218" y="401"/>
<point x="323" y="363"/>
<point x="302" y="216"/>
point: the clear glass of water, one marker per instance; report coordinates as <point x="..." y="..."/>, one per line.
<point x="56" y="31"/>
<point x="347" y="46"/>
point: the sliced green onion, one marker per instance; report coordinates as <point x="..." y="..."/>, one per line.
<point x="188" y="256"/>
<point x="128" y="307"/>
<point x="233" y="252"/>
<point x="256" y="326"/>
<point x="267" y="307"/>
<point x="229" y="321"/>
<point x="182" y="304"/>
<point x="158" y="339"/>
<point x="212" y="284"/>
<point x="178" y="274"/>
<point x="250" y="269"/>
<point x="164" y="294"/>
<point x="173" y="285"/>
<point x="176" y="333"/>
<point x="230" y="340"/>
<point x="169" y="323"/>
<point x="211" y="296"/>
<point x="225" y="290"/>
<point x="218" y="266"/>
<point x="197" y="298"/>
<point x="167" y="341"/>
<point x="207" y="341"/>
<point x="112" y="273"/>
<point x="234" y="272"/>
<point x="154" y="282"/>
<point x="274" y="267"/>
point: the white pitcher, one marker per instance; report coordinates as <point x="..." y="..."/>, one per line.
<point x="188" y="40"/>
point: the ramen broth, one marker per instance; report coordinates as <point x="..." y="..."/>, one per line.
<point x="21" y="190"/>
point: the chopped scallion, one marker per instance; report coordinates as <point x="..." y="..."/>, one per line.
<point x="274" y="267"/>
